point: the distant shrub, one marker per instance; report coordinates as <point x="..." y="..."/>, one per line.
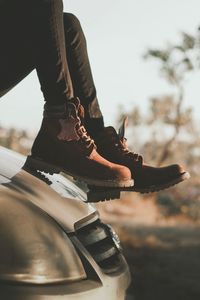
<point x="170" y="205"/>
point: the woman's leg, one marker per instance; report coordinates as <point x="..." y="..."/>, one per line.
<point x="29" y="40"/>
<point x="81" y="74"/>
<point x="32" y="36"/>
<point x="16" y="57"/>
<point x="50" y="52"/>
<point x="62" y="142"/>
<point x="111" y="145"/>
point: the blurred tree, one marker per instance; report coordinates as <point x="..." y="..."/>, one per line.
<point x="18" y="140"/>
<point x="168" y="132"/>
<point x="176" y="61"/>
<point x="170" y="126"/>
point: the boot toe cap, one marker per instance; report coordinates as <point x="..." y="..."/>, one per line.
<point x="174" y="170"/>
<point x="121" y="172"/>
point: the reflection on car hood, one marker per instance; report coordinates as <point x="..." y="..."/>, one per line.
<point x="33" y="247"/>
<point x="57" y="196"/>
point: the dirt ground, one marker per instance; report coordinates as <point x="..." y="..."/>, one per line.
<point x="163" y="255"/>
<point x="164" y="263"/>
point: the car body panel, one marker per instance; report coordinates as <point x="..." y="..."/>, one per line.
<point x="33" y="245"/>
<point x="41" y="254"/>
<point x="85" y="290"/>
<point x="66" y="212"/>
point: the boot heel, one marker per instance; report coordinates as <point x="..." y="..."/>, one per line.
<point x="40" y="165"/>
<point x="96" y="194"/>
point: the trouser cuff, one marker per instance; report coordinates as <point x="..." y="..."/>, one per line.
<point x="54" y="111"/>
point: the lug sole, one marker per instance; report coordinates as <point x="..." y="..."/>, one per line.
<point x="184" y="176"/>
<point x="38" y="164"/>
<point x="98" y="194"/>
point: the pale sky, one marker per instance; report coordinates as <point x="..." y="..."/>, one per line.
<point x="118" y="33"/>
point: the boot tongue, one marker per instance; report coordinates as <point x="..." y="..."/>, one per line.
<point x="70" y="123"/>
<point x="121" y="132"/>
<point x="110" y="131"/>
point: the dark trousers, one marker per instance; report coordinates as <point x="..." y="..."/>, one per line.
<point x="36" y="34"/>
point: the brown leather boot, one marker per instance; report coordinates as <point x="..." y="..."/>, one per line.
<point x="113" y="147"/>
<point x="63" y="144"/>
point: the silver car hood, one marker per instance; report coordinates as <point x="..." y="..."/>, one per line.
<point x="58" y="196"/>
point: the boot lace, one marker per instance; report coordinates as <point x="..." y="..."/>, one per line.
<point x="78" y="112"/>
<point x="84" y="136"/>
<point x="122" y="147"/>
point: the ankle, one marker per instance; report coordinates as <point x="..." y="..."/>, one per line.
<point x="60" y="111"/>
<point x="94" y="126"/>
<point x="54" y="111"/>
